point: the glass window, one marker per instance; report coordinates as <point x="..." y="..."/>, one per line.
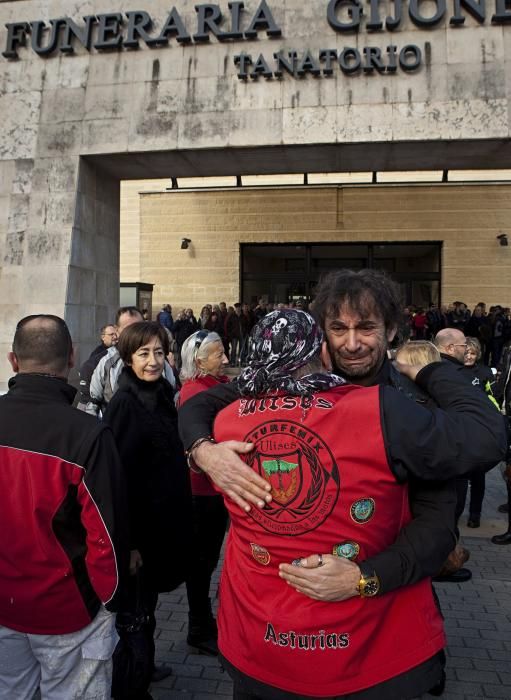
<point x="286" y="272"/>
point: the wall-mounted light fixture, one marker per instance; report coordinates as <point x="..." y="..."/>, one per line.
<point x="502" y="239"/>
<point x="185" y="242"/>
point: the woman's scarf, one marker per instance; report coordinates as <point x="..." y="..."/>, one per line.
<point x="282" y="342"/>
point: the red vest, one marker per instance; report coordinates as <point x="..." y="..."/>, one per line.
<point x="332" y="488"/>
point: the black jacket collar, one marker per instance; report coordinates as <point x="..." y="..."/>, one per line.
<point x="147" y="393"/>
<point x="450" y="358"/>
<point x="41" y="387"/>
<point x="385" y="375"/>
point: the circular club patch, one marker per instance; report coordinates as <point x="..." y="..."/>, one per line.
<point x="348" y="550"/>
<point x="302" y="473"/>
<point x="260" y="554"/>
<point x="363" y="510"/>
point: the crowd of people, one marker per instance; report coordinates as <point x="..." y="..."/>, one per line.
<point x="343" y="474"/>
<point x="491" y="328"/>
<point x="233" y="324"/>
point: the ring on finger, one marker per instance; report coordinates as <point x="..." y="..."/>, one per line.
<point x="320" y="560"/>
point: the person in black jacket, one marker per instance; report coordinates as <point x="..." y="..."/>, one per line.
<point x="503" y="396"/>
<point x="481" y="376"/>
<point x="453" y="346"/>
<point x="183" y="328"/>
<point x="109" y="337"/>
<point x="435" y="320"/>
<point x="235" y="332"/>
<point x="143" y="418"/>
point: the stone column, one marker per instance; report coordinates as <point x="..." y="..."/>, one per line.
<point x="59" y="228"/>
<point x="92" y="294"/>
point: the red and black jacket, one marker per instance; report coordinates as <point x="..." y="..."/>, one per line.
<point x="62" y="510"/>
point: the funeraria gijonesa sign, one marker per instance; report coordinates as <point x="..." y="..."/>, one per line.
<point x="115" y="31"/>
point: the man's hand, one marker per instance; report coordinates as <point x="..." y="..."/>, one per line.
<point x="232" y="476"/>
<point x="335" y="580"/>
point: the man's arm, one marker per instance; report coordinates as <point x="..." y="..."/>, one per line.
<point x="420" y="549"/>
<point x="220" y="462"/>
<point x="102" y="497"/>
<point x="85" y="375"/>
<point x="197" y="415"/>
<point x="465" y="434"/>
<point x="97" y="387"/>
<point x="424" y="544"/>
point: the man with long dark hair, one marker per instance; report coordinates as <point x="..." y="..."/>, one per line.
<point x="361" y="312"/>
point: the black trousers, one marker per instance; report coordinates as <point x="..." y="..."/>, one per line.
<point x="140" y="594"/>
<point x="508" y="487"/>
<point x="209" y="525"/>
<point x="477" y="489"/>
<point x="408" y="685"/>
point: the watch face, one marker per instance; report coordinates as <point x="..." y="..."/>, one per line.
<point x="371" y="587"/>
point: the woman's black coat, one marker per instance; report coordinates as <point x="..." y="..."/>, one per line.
<point x="143" y="419"/>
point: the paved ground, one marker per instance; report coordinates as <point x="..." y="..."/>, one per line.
<point x="478" y="623"/>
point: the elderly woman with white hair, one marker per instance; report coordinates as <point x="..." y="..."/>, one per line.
<point x="203" y="362"/>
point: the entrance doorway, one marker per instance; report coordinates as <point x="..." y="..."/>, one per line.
<point x="285" y="273"/>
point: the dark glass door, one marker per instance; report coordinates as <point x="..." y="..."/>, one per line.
<point x="284" y="273"/>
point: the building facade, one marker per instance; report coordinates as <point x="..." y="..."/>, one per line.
<point x="439" y="241"/>
<point x="99" y="92"/>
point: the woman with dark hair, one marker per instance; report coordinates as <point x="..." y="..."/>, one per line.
<point x="205" y="315"/>
<point x="214" y="324"/>
<point x="203" y="364"/>
<point x="143" y="418"/>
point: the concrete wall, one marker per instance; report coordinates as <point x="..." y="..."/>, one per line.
<point x="466" y="219"/>
<point x="72" y="126"/>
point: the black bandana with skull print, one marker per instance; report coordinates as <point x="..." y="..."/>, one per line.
<point x="282" y="342"/>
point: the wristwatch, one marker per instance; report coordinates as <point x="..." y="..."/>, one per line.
<point x="369" y="584"/>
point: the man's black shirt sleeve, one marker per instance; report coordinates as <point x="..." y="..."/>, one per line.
<point x="424" y="544"/>
<point x="197" y="415"/>
<point x="465" y="434"/>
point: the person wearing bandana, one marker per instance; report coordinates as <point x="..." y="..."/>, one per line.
<point x="334" y="460"/>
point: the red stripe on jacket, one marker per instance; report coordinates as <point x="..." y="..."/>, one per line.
<point x="39" y="589"/>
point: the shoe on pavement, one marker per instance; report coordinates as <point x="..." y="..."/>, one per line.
<point x="474" y="521"/>
<point x="459" y="576"/>
<point x="160" y="672"/>
<point x="502" y="539"/>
